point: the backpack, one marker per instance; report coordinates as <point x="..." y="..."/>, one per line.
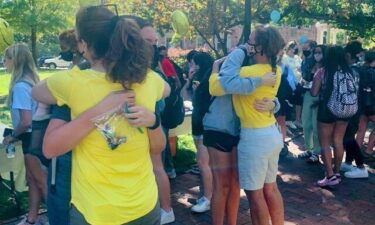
<point x="343" y="102"/>
<point x="174" y="111"/>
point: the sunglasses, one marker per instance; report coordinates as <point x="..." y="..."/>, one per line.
<point x="111" y="7"/>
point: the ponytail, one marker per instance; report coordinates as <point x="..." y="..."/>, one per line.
<point x="117" y="42"/>
<point x="129" y="56"/>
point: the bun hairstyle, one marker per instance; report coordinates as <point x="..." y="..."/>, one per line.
<point x="271" y="41"/>
<point x="117" y="42"/>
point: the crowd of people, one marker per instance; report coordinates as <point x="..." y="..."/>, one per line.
<point x="95" y="137"/>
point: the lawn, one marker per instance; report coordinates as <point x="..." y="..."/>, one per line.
<point x="183" y="161"/>
<point x="5" y="79"/>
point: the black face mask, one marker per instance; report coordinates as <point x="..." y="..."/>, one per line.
<point x="67" y="56"/>
<point x="295" y="51"/>
<point x="306" y="53"/>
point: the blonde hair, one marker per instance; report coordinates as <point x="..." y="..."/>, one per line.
<point x="24" y="68"/>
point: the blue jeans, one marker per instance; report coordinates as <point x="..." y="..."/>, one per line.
<point x="59" y="195"/>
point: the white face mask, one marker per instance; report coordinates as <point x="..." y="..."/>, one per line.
<point x="318" y="57"/>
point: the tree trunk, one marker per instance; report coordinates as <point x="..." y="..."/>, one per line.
<point x="247" y="26"/>
<point x="33" y="44"/>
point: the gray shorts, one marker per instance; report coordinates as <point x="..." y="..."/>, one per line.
<point x="151" y="218"/>
<point x="258" y="156"/>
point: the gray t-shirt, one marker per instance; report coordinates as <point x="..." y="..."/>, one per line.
<point x="22" y="100"/>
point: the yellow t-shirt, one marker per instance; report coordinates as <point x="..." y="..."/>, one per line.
<point x="109" y="187"/>
<point x="244" y="105"/>
<point x="215" y="87"/>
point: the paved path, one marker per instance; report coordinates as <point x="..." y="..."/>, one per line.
<point x="352" y="202"/>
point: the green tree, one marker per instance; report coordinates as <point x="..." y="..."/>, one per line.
<point x="35" y="18"/>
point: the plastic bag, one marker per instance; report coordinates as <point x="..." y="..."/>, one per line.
<point x="115" y="127"/>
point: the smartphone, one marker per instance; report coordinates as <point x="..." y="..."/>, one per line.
<point x="7" y="132"/>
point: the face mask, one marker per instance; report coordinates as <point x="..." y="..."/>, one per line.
<point x="318" y="57"/>
<point x="295" y="51"/>
<point x="306" y="53"/>
<point x="67" y="56"/>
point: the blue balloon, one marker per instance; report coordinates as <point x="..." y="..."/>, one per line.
<point x="303" y="39"/>
<point x="275" y="16"/>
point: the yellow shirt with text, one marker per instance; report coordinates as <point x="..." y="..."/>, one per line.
<point x="109" y="187"/>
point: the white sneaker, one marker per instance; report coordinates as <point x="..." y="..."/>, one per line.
<point x="172" y="174"/>
<point x="203" y="205"/>
<point x="25" y="222"/>
<point x="291" y="125"/>
<point x="345" y="167"/>
<point x="357" y="173"/>
<point x="167" y="217"/>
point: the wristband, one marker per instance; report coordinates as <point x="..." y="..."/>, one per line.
<point x="157" y="122"/>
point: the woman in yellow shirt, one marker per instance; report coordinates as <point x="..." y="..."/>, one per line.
<point x="110" y="186"/>
<point x="260" y="139"/>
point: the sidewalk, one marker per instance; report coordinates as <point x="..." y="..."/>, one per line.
<point x="352" y="202"/>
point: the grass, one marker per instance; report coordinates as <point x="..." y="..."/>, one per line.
<point x="5" y="79"/>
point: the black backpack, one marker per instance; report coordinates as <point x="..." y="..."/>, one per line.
<point x="174" y="111"/>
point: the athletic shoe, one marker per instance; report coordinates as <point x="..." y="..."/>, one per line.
<point x="24" y="221"/>
<point x="298" y="124"/>
<point x="305" y="154"/>
<point x="314" y="158"/>
<point x="346" y="167"/>
<point x="328" y="181"/>
<point x="203" y="205"/>
<point x="172" y="174"/>
<point x="357" y="173"/>
<point x="167" y="217"/>
<point x="291" y="125"/>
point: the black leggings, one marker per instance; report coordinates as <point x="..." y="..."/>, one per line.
<point x="353" y="152"/>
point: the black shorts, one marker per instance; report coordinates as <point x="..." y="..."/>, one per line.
<point x="197" y="124"/>
<point x="36" y="142"/>
<point x="325" y="115"/>
<point x="219" y="140"/>
<point x="369" y="110"/>
<point x="25" y="139"/>
<point x="285" y="109"/>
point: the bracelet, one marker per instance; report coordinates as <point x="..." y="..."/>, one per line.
<point x="157" y="122"/>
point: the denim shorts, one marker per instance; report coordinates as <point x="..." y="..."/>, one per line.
<point x="258" y="156"/>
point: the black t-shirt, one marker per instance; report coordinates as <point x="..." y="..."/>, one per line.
<point x="61" y="112"/>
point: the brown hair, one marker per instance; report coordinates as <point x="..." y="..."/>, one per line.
<point x="271" y="41"/>
<point x="116" y="41"/>
<point x="68" y="38"/>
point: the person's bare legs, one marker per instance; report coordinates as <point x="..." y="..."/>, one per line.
<point x="338" y="141"/>
<point x="361" y="130"/>
<point x="258" y="207"/>
<point x="226" y="191"/>
<point x="326" y="140"/>
<point x="371" y="143"/>
<point x="39" y="175"/>
<point x="233" y="200"/>
<point x="275" y="203"/>
<point x="282" y="123"/>
<point x="371" y="140"/>
<point x="162" y="180"/>
<point x="299" y="113"/>
<point x="204" y="167"/>
<point x="35" y="195"/>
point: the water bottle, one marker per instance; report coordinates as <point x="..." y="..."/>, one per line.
<point x="11" y="151"/>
